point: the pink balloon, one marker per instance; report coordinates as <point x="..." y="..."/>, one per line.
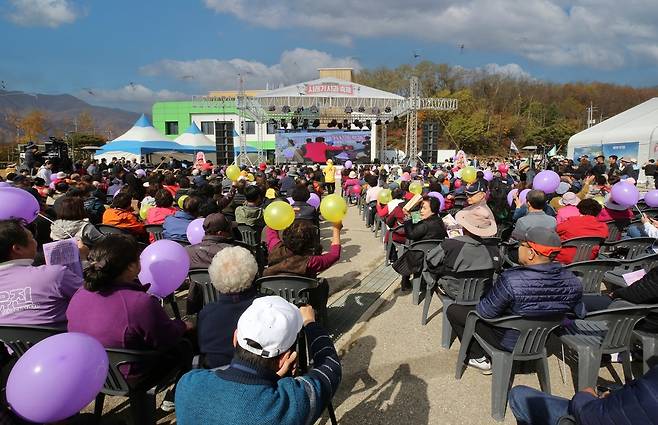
<point x="523" y="195"/>
<point x="438" y="196"/>
<point x="195" y="232"/>
<point x="356" y="189"/>
<point x="547" y="181"/>
<point x="57" y="377"/>
<point x="19" y="204"/>
<point x="314" y="201"/>
<point x="625" y="194"/>
<point x="488" y="175"/>
<point x="165" y="265"/>
<point x="348" y="164"/>
<point x="503" y="169"/>
<point x="651" y="198"/>
<point x="510" y="196"/>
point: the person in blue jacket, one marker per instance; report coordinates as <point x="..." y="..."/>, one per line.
<point x="636" y="403"/>
<point x="258" y="386"/>
<point x="174" y="227"/>
<point x="539" y="288"/>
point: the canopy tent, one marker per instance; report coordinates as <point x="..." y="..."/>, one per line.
<point x="194" y="137"/>
<point x="631" y="133"/>
<point x="144" y="139"/>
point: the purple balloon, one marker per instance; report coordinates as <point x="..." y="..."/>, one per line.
<point x="651" y="198"/>
<point x="547" y="181"/>
<point x="510" y="196"/>
<point x="625" y="194"/>
<point x="195" y="232"/>
<point x="140" y="173"/>
<point x="488" y="175"/>
<point x="57" y="377"/>
<point x="523" y="195"/>
<point x="165" y="265"/>
<point x="438" y="196"/>
<point x="18" y="203"/>
<point x="5" y="184"/>
<point x="314" y="201"/>
<point x="348" y="164"/>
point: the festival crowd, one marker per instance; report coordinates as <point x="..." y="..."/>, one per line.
<point x="235" y="358"/>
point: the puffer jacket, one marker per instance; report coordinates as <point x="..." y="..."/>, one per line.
<point x="81" y="229"/>
<point x="543" y="290"/>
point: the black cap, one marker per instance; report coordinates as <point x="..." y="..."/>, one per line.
<point x="477" y="186"/>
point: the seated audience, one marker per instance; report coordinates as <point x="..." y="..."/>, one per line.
<point x="122" y="215"/>
<point x="251" y="213"/>
<point x="536" y="217"/>
<point x="539" y="288"/>
<point x="465" y="254"/>
<point x="303" y="211"/>
<point x="164" y="207"/>
<point x="584" y="224"/>
<point x="232" y="273"/>
<point x="635" y="403"/>
<point x="31" y="295"/>
<point x="174" y="226"/>
<point x="72" y="222"/>
<point x="569" y="207"/>
<point x="258" y="387"/>
<point x="430" y="225"/>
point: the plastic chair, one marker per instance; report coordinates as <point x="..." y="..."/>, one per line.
<point x="106" y="229"/>
<point x="602" y="332"/>
<point x="567" y="420"/>
<point x="531" y="346"/>
<point x="591" y="273"/>
<point x="154" y="230"/>
<point x="471" y="290"/>
<point x="391" y="244"/>
<point x="615" y="229"/>
<point x="19" y="338"/>
<point x="250" y="235"/>
<point x="636" y="247"/>
<point x="649" y="343"/>
<point x="295" y="289"/>
<point x="201" y="278"/>
<point x="417" y="281"/>
<point x="584" y="247"/>
<point x="614" y="277"/>
<point x="142" y="393"/>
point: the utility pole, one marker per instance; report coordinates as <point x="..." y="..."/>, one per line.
<point x="590" y="115"/>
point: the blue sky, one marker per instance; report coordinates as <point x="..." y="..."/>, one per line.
<point x="131" y="53"/>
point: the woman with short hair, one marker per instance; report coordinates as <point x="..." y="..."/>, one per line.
<point x="72" y="222"/>
<point x="232" y="273"/>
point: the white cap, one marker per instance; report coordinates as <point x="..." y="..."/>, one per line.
<point x="271" y="322"/>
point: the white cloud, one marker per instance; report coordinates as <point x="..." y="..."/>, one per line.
<point x="293" y="66"/>
<point x="510" y="70"/>
<point x="594" y="33"/>
<point x="132" y="96"/>
<point x="42" y="13"/>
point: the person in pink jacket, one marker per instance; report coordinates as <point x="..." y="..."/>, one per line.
<point x="162" y="209"/>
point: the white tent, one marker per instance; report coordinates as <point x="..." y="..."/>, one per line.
<point x="193" y="137"/>
<point x="631" y="134"/>
<point x="143" y="139"/>
<point x="329" y="87"/>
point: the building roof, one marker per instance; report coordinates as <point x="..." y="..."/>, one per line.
<point x="330" y="87"/>
<point x="635" y="124"/>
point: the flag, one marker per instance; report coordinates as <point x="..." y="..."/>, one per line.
<point x="513" y="147"/>
<point x="552" y="152"/>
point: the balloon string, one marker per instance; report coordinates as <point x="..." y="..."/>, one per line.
<point x="52" y="222"/>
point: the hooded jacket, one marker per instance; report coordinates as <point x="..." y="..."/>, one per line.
<point x="80" y="229"/>
<point x="249" y="215"/>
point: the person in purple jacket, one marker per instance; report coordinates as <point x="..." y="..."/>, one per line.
<point x="115" y="308"/>
<point x="31" y="295"/>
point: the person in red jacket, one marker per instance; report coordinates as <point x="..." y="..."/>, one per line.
<point x="585" y="224"/>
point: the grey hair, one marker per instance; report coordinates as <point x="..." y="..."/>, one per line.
<point x="232" y="270"/>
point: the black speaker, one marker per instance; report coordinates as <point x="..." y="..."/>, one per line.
<point x="224" y="131"/>
<point x="430" y="141"/>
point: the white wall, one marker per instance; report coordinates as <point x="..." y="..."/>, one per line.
<point x="260" y="128"/>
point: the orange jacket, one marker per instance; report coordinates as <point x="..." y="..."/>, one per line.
<point x="124" y="220"/>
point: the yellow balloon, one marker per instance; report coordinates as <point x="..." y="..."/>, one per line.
<point x="469" y="175"/>
<point x="181" y="201"/>
<point x="233" y="172"/>
<point x="143" y="210"/>
<point x="600" y="199"/>
<point x="279" y="215"/>
<point x="385" y="196"/>
<point x="250" y="177"/>
<point x="416" y="188"/>
<point x="333" y="208"/>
